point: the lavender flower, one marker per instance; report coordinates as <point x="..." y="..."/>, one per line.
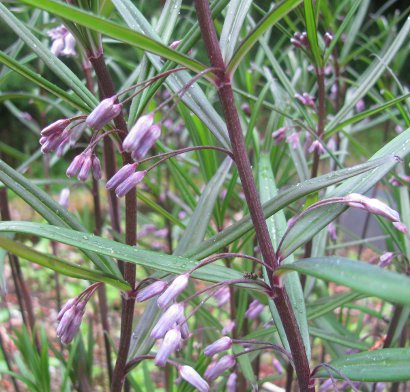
<point x="121" y="175"/>
<point x="130" y="183"/>
<point x="167" y="320"/>
<point x="222" y="344"/>
<point x="374" y="206"/>
<point x="231" y="383"/>
<point x="105" y="111"/>
<point x="147" y="142"/>
<point x="277" y="365"/>
<point x="96" y="165"/>
<point x="222" y="295"/>
<point x="401" y="227"/>
<point x="70" y="320"/>
<point x="64" y="196"/>
<point x="137" y="133"/>
<point x="55" y="136"/>
<point x="386" y="259"/>
<point x="305" y="99"/>
<point x="228" y="327"/>
<point x="254" y="310"/>
<point x="331" y="229"/>
<point x="175" y="44"/>
<point x="293" y="140"/>
<point x="178" y="285"/>
<point x="395" y="181"/>
<point x="360" y="106"/>
<point x="75" y="165"/>
<point x="279" y="134"/>
<point x="300" y="40"/>
<point x="215" y="370"/>
<point x="191" y="376"/>
<point x="317" y="146"/>
<point x="171" y="342"/>
<point x="151" y="290"/>
<point x="85" y="168"/>
<point x="63" y="42"/>
<point x="56" y="128"/>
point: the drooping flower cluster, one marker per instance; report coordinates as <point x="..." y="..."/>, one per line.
<point x="142" y="137"/>
<point x="71" y="314"/>
<point x="63" y="42"/>
<point x="300" y="40"/>
<point x="83" y="164"/>
<point x="125" y="179"/>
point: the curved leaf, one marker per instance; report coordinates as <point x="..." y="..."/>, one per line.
<point x="388" y="364"/>
<point x="360" y="276"/>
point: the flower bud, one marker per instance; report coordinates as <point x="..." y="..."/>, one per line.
<point x="137" y="132"/>
<point x="75" y="165"/>
<point x="57" y="46"/>
<point x="64" y="196"/>
<point x="147" y="142"/>
<point x="191" y="376"/>
<point x="69" y="46"/>
<point x="254" y="310"/>
<point x="231" y="383"/>
<point x="85" y="168"/>
<point x="130" y="183"/>
<point x="279" y="134"/>
<point x="170" y="344"/>
<point x="151" y="290"/>
<point x="222" y="344"/>
<point x="167" y="320"/>
<point x="70" y="320"/>
<point x="293" y="140"/>
<point x="178" y="285"/>
<point x="69" y="304"/>
<point x="55" y="128"/>
<point x="400" y="227"/>
<point x="277" y="365"/>
<point x="386" y="259"/>
<point x="175" y="44"/>
<point x="96" y="167"/>
<point x="215" y="370"/>
<point x="121" y="175"/>
<point x="317" y="146"/>
<point x="222" y="295"/>
<point x="228" y="327"/>
<point x="106" y="111"/>
<point x="374" y="206"/>
<point x="331" y="229"/>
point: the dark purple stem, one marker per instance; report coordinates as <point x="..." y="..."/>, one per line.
<point x="107" y="89"/>
<point x="245" y="173"/>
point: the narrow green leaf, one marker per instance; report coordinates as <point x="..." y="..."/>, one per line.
<point x="388" y="365"/>
<point x="104" y="246"/>
<point x="114" y="30"/>
<point x="283" y="199"/>
<point x="310" y="224"/>
<point x="371" y="75"/>
<point x="277" y="13"/>
<point x="199" y="221"/>
<point x="345" y="341"/>
<point x="277" y="227"/>
<point x="235" y="17"/>
<point x="40" y="81"/>
<point x="312" y="32"/>
<point x="60" y="266"/>
<point x="363" y="277"/>
<point x="50" y="210"/>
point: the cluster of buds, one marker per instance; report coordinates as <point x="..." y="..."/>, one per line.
<point x="300" y="40"/>
<point x="63" y="42"/>
<point x="55" y="136"/>
<point x="305" y="99"/>
<point x="386" y="259"/>
<point x="72" y="313"/>
<point x="125" y="179"/>
<point x="83" y="164"/>
<point x="142" y="137"/>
